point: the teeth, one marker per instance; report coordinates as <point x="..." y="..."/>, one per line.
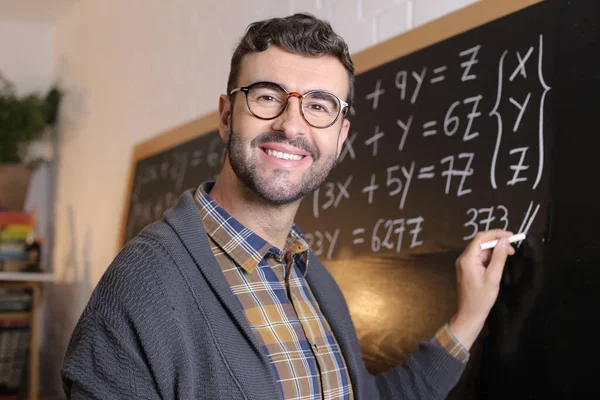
<point x="284" y="156"/>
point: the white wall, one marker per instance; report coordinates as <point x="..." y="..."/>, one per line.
<point x="133" y="69"/>
<point x="27" y="54"/>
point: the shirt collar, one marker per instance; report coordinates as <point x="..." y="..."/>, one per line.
<point x="245" y="247"/>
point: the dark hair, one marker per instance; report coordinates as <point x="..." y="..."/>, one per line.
<point x="299" y="33"/>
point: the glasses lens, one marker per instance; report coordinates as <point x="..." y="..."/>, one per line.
<point x="266" y="101"/>
<point x="320" y="108"/>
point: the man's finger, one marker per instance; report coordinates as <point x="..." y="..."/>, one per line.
<point x="499" y="256"/>
<point x="474" y="248"/>
<point x="492" y="235"/>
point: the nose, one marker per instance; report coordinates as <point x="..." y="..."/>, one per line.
<point x="291" y="122"/>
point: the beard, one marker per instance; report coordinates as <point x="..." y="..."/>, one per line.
<point x="276" y="190"/>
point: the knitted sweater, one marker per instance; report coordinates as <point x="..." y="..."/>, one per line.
<point x="162" y="323"/>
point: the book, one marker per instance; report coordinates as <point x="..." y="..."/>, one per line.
<point x="16" y="300"/>
<point x="15" y="230"/>
<point x="16" y="217"/>
<point x="6" y="236"/>
<point x="14" y="345"/>
<point x="19" y="250"/>
<point x="12" y="246"/>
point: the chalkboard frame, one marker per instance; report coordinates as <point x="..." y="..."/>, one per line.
<point x="467" y="18"/>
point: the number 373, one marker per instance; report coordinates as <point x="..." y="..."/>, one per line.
<point x="483" y="218"/>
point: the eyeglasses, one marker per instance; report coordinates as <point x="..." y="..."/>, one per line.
<point x="268" y="100"/>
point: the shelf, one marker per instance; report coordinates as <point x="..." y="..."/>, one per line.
<point x="16" y="315"/>
<point x="33" y="281"/>
<point x="27" y="276"/>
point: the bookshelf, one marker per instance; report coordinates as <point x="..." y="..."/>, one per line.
<point x="26" y="276"/>
<point x="21" y="282"/>
<point x="30" y="316"/>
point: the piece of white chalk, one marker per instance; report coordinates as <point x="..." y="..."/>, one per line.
<point x="492" y="243"/>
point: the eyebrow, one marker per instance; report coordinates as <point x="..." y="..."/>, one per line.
<point x="283" y="86"/>
<point x="265" y="83"/>
<point x="326" y="95"/>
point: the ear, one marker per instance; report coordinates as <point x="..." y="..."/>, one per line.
<point x="224" y="117"/>
<point x="342" y="136"/>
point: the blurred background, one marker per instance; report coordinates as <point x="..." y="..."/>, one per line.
<point x="99" y="77"/>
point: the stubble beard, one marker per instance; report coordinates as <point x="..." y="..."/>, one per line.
<point x="277" y="191"/>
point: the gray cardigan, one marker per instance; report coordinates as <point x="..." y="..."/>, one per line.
<point x="162" y="323"/>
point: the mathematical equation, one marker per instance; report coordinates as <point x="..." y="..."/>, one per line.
<point x="470" y="130"/>
<point x="396" y="234"/>
<point x="161" y="180"/>
<point x="461" y="116"/>
<point x="172" y="168"/>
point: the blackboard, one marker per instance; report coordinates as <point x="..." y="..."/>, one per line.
<point x="457" y="127"/>
<point x="165" y="166"/>
<point x="446" y="141"/>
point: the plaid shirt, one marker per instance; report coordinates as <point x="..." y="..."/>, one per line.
<point x="281" y="310"/>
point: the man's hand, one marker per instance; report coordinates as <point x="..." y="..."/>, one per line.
<point x="478" y="275"/>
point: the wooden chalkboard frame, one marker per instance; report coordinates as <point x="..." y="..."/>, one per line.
<point x="423" y="36"/>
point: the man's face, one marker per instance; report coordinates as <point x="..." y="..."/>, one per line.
<point x="283" y="159"/>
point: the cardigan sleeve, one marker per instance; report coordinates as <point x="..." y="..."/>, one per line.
<point x="107" y="354"/>
<point x="430" y="373"/>
<point x="99" y="364"/>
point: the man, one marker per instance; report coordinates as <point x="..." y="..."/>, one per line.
<point x="222" y="299"/>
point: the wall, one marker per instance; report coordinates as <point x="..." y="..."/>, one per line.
<point x="135" y="70"/>
<point x="27" y="54"/>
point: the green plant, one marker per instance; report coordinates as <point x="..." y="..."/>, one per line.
<point x="24" y="119"/>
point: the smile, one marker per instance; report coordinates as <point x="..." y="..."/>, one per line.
<point x="283" y="156"/>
